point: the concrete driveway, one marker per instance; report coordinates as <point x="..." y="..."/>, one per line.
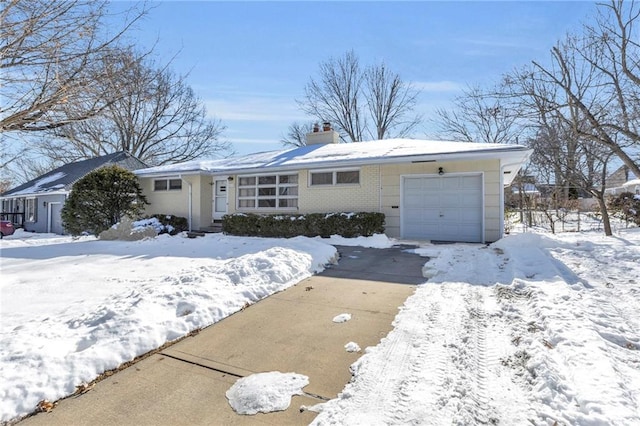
<point x="291" y="331"/>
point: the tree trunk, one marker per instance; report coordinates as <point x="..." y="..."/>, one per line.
<point x="605" y="213"/>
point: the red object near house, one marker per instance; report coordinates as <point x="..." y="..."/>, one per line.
<point x="6" y="228"/>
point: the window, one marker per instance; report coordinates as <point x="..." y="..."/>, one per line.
<point x="350" y="177"/>
<point x="175" y="184"/>
<point x="339" y="177"/>
<point x="167" y="185"/>
<point x="322" y="178"/>
<point x="31" y="209"/>
<point x="268" y="192"/>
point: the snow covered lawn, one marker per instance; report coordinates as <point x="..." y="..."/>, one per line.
<point x="534" y="329"/>
<point x="73" y="308"/>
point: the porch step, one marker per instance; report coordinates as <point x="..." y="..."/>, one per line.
<point x="214" y="228"/>
<point x="194" y="234"/>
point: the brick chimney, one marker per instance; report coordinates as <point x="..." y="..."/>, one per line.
<point x="324" y="136"/>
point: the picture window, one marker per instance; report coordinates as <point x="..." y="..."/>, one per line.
<point x="279" y="191"/>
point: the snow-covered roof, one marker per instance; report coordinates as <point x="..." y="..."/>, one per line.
<point x="61" y="180"/>
<point x="352" y="154"/>
<point x="527" y="188"/>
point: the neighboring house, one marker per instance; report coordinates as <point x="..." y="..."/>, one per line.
<point x="428" y="190"/>
<point x="620" y="176"/>
<point x="622" y="180"/>
<point x="36" y="205"/>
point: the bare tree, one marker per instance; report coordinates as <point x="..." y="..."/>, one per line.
<point x="390" y="103"/>
<point x="48" y="53"/>
<point x="478" y="116"/>
<point x="571" y="165"/>
<point x="160" y="120"/>
<point x="337" y="95"/>
<point x="297" y="134"/>
<point x="599" y="75"/>
<point x="370" y="102"/>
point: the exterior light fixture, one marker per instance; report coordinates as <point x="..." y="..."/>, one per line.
<point x="440" y="171"/>
<point x="230" y="178"/>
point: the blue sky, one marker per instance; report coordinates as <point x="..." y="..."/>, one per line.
<point x="249" y="61"/>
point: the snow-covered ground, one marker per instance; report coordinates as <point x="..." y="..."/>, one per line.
<point x="534" y="329"/>
<point x="72" y="308"/>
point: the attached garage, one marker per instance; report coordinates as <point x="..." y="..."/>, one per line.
<point x="443" y="208"/>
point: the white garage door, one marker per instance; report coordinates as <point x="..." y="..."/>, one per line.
<point x="442" y="208"/>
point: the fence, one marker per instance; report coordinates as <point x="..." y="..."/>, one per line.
<point x="561" y="220"/>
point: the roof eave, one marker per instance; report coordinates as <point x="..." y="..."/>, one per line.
<point x="35" y="194"/>
<point x="169" y="174"/>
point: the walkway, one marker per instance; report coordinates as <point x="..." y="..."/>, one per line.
<point x="291" y="331"/>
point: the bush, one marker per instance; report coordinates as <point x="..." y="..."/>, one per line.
<point x="171" y="224"/>
<point x="101" y="199"/>
<point x="348" y="225"/>
<point x="626" y="206"/>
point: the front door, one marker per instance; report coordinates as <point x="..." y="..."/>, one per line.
<point x="219" y="198"/>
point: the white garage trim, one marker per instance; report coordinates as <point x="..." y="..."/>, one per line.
<point x="441" y="222"/>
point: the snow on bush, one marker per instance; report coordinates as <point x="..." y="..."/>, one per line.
<point x="140" y="225"/>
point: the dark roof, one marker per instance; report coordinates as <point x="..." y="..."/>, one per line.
<point x="63" y="178"/>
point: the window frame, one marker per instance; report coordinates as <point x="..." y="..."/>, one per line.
<point x="31" y="204"/>
<point x="334" y="177"/>
<point x="270" y="194"/>
<point x="167" y="184"/>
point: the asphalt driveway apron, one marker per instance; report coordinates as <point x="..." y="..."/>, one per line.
<point x="291" y="331"/>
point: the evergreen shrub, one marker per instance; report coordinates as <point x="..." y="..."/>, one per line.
<point x="101" y="199"/>
<point x="349" y="225"/>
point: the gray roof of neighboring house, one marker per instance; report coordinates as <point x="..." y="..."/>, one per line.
<point x="63" y="178"/>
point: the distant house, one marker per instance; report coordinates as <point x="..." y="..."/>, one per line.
<point x="428" y="190"/>
<point x="36" y="205"/>
<point x="622" y="180"/>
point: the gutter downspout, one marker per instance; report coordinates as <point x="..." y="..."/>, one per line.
<point x="190" y="202"/>
<point x="379" y="188"/>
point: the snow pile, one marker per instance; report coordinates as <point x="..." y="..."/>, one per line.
<point x="534" y="329"/>
<point x="73" y="308"/>
<point x="352" y="347"/>
<point x="129" y="230"/>
<point x="265" y="392"/>
<point x="342" y="318"/>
